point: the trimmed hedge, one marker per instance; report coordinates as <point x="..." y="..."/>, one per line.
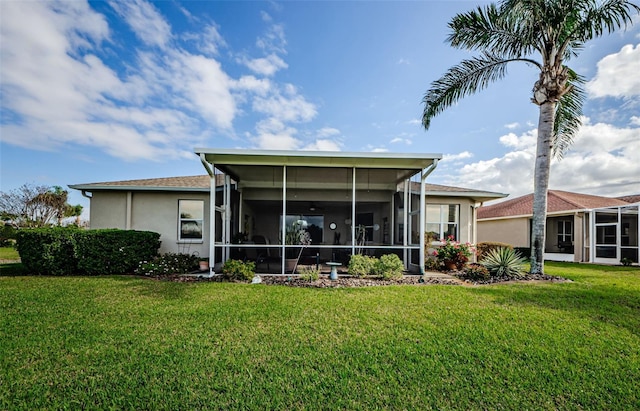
<point x="68" y="251"/>
<point x="48" y="250"/>
<point x="483" y="249"/>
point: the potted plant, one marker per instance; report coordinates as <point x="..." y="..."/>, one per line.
<point x="452" y="254"/>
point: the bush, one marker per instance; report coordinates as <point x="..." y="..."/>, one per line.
<point x="476" y="272"/>
<point x="168" y="264"/>
<point x="7" y="235"/>
<point x="309" y="273"/>
<point x="525" y="252"/>
<point x="483" y="248"/>
<point x="432" y="264"/>
<point x="115" y="251"/>
<point x="361" y="265"/>
<point x="504" y="262"/>
<point x="68" y="251"/>
<point x="389" y="266"/>
<point x="239" y="270"/>
<point x="48" y="250"/>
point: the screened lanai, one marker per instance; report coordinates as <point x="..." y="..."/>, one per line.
<point x="346" y="203"/>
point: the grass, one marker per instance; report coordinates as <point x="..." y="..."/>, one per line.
<point x="8" y="253"/>
<point x="124" y="342"/>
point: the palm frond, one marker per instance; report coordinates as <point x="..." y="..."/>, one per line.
<point x="490" y="29"/>
<point x="568" y="115"/>
<point x="462" y="80"/>
<point x="606" y="17"/>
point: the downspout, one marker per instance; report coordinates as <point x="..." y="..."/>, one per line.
<point x="353" y="212"/>
<point x="283" y="228"/>
<point x="405" y="219"/>
<point x="423" y="217"/>
<point x="85" y="195"/>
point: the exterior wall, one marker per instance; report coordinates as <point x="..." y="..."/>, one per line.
<point x="108" y="210"/>
<point x="514" y="231"/>
<point x="150" y="211"/>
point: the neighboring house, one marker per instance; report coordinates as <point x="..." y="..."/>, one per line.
<point x="347" y="202"/>
<point x="580" y="227"/>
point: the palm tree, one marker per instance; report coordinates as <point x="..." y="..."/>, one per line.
<point x="543" y="34"/>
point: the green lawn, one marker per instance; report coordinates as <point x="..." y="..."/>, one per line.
<point x="8" y="253"/>
<point x="123" y="342"/>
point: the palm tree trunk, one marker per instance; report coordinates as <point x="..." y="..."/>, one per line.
<point x="541" y="185"/>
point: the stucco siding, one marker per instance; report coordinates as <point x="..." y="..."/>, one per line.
<point x="108" y="210"/>
<point x="514" y="231"/>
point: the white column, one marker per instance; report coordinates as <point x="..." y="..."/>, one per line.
<point x="283" y="228"/>
<point x="423" y="177"/>
<point x="353" y="212"/>
<point x="405" y="216"/>
<point x="212" y="220"/>
<point x="129" y="205"/>
<point x="227" y="216"/>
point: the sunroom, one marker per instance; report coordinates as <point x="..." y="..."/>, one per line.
<point x="346" y="203"/>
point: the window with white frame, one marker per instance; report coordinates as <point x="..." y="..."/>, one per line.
<point x="191" y="220"/>
<point x="565" y="232"/>
<point x="443" y="220"/>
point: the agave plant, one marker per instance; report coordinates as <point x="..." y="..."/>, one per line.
<point x="504" y="262"/>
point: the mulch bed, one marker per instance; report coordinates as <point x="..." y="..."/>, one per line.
<point x="352" y="282"/>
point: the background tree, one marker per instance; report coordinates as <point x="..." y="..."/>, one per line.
<point x="36" y="205"/>
<point x="543" y="34"/>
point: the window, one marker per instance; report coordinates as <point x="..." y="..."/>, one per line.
<point x="565" y="232"/>
<point x="443" y="220"/>
<point x="190" y="223"/>
<point x="313" y="224"/>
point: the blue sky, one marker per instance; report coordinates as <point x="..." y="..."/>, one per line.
<point x="104" y="91"/>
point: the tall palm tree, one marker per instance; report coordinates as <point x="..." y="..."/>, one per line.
<point x="543" y="34"/>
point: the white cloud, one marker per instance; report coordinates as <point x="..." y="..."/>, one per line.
<point x="208" y="41"/>
<point x="273" y="134"/>
<point x="603" y="161"/>
<point x="289" y="106"/>
<point x="327" y="132"/>
<point x="415" y="121"/>
<point x="266" y="66"/>
<point x="635" y="120"/>
<point x="274" y="40"/>
<point x="459" y="156"/>
<point x="403" y="61"/>
<point x="397" y="140"/>
<point x="145" y="21"/>
<point x="512" y="126"/>
<point x="323" y="145"/>
<point x="57" y="91"/>
<point x="617" y="74"/>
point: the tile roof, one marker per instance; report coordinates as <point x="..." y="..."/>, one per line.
<point x="557" y="201"/>
<point x="634" y="198"/>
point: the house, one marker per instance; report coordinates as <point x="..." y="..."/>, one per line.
<point x="348" y="203"/>
<point x="580" y="227"/>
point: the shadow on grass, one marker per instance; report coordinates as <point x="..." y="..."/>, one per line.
<point x="12" y="270"/>
<point x="610" y="304"/>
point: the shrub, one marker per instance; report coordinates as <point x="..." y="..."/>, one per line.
<point x="168" y="264"/>
<point x="389" y="266"/>
<point x="7" y="235"/>
<point x="504" y="262"/>
<point x="48" y="250"/>
<point x="68" y="251"/>
<point x="115" y="251"/>
<point x="309" y="273"/>
<point x="239" y="270"/>
<point x="525" y="252"/>
<point x="483" y="248"/>
<point x="476" y="272"/>
<point x="361" y="265"/>
<point x="432" y="264"/>
<point x="626" y="261"/>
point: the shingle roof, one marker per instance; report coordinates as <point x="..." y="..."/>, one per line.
<point x="557" y="201"/>
<point x="188" y="182"/>
<point x="634" y="198"/>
